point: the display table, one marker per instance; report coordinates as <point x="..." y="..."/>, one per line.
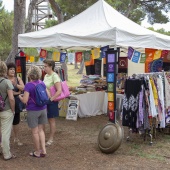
<point x="91" y="104"/>
<point x="94" y="103"/>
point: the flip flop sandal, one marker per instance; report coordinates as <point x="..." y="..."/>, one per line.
<point x="49" y="142"/>
<point x="42" y="155"/>
<point x="12" y="157"/>
<point x="34" y="155"/>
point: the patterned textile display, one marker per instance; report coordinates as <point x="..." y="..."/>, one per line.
<point x="166" y="56"/>
<point x="142" y="58"/>
<point x="31" y="59"/>
<point x="157" y="54"/>
<point x="96" y="53"/>
<point x="135" y="56"/>
<point x="87" y="56"/>
<point x="71" y="57"/>
<point x="49" y="54"/>
<point x="43" y="53"/>
<point x="156" y="65"/>
<point x="130" y="102"/>
<point x="130" y="52"/>
<point x="56" y="56"/>
<point x="103" y="51"/>
<point x="144" y="101"/>
<point x="62" y="57"/>
<point x="63" y="106"/>
<point x="78" y="57"/>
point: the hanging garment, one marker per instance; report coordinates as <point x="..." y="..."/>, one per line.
<point x="167" y="97"/>
<point x="141" y="109"/>
<point x="154" y="90"/>
<point x="131" y="102"/>
<point x="161" y="99"/>
<point x="151" y="100"/>
<point x="167" y="90"/>
<point x="146" y="111"/>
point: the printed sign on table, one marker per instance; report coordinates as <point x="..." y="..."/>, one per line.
<point x="73" y="106"/>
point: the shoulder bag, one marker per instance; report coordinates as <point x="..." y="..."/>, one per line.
<point x="64" y="91"/>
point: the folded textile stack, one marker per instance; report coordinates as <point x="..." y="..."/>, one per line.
<point x="93" y="83"/>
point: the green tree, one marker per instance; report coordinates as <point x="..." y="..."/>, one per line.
<point x="161" y="31"/>
<point x="5" y="32"/>
<point x="18" y="27"/>
<point x="50" y="23"/>
<point x="136" y="10"/>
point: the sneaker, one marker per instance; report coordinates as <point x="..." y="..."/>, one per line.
<point x="17" y="141"/>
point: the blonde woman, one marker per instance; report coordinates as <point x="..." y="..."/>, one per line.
<point x="36" y="115"/>
<point x="7" y="115"/>
<point x="50" y="79"/>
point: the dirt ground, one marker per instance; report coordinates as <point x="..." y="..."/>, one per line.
<point x="75" y="148"/>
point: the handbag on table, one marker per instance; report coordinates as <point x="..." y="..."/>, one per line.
<point x="64" y="91"/>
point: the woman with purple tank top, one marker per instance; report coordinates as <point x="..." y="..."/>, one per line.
<point x="36" y="115"/>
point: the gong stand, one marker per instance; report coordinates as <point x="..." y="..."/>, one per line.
<point x="111" y="135"/>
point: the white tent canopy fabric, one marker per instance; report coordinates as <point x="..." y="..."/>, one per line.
<point x="97" y="26"/>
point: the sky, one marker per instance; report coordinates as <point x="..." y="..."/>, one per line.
<point x="10" y="3"/>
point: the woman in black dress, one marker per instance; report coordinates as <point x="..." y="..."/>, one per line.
<point x="18" y="88"/>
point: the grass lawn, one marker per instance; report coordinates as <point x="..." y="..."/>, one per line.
<point x="73" y="77"/>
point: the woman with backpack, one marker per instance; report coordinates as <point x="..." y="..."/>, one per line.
<point x="18" y="88"/>
<point x="36" y="114"/>
<point x="7" y="111"/>
<point x="50" y="79"/>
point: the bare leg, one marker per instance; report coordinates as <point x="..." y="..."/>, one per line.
<point x="52" y="124"/>
<point x="16" y="132"/>
<point x="42" y="138"/>
<point x="0" y="136"/>
<point x="36" y="140"/>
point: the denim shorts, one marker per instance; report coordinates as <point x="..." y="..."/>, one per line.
<point x="52" y="109"/>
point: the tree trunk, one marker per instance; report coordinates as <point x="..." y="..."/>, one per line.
<point x="57" y="10"/>
<point x="81" y="68"/>
<point x="28" y="24"/>
<point x="76" y="65"/>
<point x="64" y="67"/>
<point x="18" y="27"/>
<point x="130" y="8"/>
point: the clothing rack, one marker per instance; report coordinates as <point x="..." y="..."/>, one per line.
<point x="41" y="66"/>
<point x="147" y="74"/>
<point x="151" y="132"/>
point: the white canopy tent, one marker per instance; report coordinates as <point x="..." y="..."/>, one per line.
<point x="97" y="26"/>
